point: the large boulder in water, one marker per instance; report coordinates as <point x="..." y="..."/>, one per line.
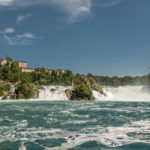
<point x="69" y="94"/>
<point x="100" y="90"/>
<point x="52" y="90"/>
<point x="36" y="94"/>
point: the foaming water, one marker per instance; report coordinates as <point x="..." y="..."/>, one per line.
<point x="22" y="147"/>
<point x="79" y="125"/>
<point x="124" y="93"/>
<point x="54" y="93"/>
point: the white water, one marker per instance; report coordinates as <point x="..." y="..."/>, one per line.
<point x="54" y="93"/>
<point x="22" y="147"/>
<point x="124" y="93"/>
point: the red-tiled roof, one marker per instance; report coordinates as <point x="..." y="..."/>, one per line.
<point x="28" y="68"/>
<point x="1" y="59"/>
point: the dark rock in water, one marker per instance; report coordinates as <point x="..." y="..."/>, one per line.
<point x="52" y="90"/>
<point x="73" y="96"/>
<point x="92" y="98"/>
<point x="99" y="89"/>
<point x="9" y="96"/>
<point x="69" y="93"/>
<point x="41" y="87"/>
<point x="36" y="94"/>
<point x="4" y="98"/>
<point x="13" y="96"/>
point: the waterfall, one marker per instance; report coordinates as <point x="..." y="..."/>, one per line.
<point x="54" y="93"/>
<point x="124" y="93"/>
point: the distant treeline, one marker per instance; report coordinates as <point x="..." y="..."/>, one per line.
<point x="122" y="81"/>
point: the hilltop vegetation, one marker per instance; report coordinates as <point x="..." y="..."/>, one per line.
<point x="122" y="81"/>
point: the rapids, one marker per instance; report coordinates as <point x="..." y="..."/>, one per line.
<point x="77" y="125"/>
<point x="122" y="93"/>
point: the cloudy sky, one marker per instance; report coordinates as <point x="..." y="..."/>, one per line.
<point x="104" y="37"/>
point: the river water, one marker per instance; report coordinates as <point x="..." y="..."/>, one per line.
<point x="74" y="125"/>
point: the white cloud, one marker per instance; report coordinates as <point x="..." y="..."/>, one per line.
<point x="26" y="35"/>
<point x="21" y="39"/>
<point x="17" y="41"/>
<point x="73" y="8"/>
<point x="8" y="39"/>
<point x="6" y="2"/>
<point x="21" y="18"/>
<point x="7" y="31"/>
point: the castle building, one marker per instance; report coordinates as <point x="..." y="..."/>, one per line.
<point x="1" y="59"/>
<point x="22" y="64"/>
<point x="24" y="68"/>
<point x="28" y="70"/>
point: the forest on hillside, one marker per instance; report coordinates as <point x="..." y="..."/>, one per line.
<point x="122" y="81"/>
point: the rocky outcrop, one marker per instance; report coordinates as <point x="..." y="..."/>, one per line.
<point x="69" y="94"/>
<point x="99" y="89"/>
<point x="36" y="94"/>
<point x="9" y="96"/>
<point x="52" y="90"/>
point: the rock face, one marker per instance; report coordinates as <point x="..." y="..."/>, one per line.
<point x="69" y="94"/>
<point x="9" y="94"/>
<point x="36" y="94"/>
<point x="100" y="90"/>
<point x="52" y="90"/>
<point x="40" y="87"/>
<point x="9" y="97"/>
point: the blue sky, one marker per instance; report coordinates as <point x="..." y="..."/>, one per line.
<point x="104" y="37"/>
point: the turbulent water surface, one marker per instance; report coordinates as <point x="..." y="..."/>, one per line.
<point x="77" y="125"/>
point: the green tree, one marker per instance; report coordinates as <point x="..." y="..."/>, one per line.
<point x="24" y="90"/>
<point x="83" y="91"/>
